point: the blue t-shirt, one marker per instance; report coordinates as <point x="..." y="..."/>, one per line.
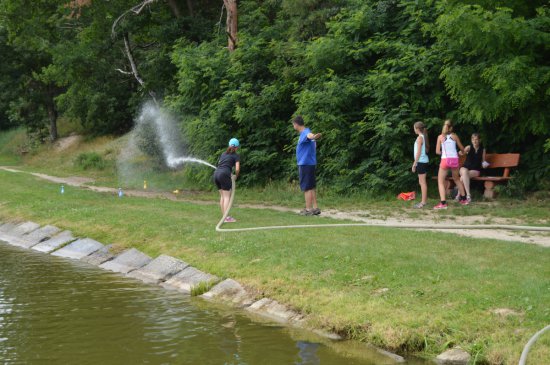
<point x="305" y="150"/>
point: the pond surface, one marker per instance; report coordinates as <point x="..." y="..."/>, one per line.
<point x="59" y="311"/>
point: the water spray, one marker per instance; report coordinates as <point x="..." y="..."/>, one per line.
<point x="168" y="133"/>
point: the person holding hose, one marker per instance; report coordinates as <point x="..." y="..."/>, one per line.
<point x="306" y="158"/>
<point x="222" y="175"/>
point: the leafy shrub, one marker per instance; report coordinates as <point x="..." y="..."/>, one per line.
<point x="90" y="160"/>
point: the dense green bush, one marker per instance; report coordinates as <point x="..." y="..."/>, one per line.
<point x="362" y="79"/>
<point x="90" y="160"/>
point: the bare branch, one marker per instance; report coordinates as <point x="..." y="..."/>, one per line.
<point x="221" y="15"/>
<point x="136" y="10"/>
<point x="146" y="46"/>
<point x="128" y="51"/>
<point x="124" y="72"/>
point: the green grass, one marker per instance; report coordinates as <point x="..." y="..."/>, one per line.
<point x="442" y="287"/>
<point x="12" y="143"/>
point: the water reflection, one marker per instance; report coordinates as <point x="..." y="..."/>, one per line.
<point x="308" y="353"/>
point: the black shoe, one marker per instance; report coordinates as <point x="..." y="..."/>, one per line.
<point x="316" y="211"/>
<point x="306" y="212"/>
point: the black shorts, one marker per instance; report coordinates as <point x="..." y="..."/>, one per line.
<point x="223" y="180"/>
<point x="307" y="177"/>
<point x="421" y="168"/>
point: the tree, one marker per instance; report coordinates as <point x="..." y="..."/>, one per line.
<point x="34" y="29"/>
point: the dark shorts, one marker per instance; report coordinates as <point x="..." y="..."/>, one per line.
<point x="222" y="180"/>
<point x="421" y="168"/>
<point x="307" y="177"/>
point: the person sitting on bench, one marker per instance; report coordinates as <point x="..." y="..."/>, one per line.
<point x="475" y="161"/>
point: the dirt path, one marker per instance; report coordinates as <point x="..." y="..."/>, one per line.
<point x="537" y="238"/>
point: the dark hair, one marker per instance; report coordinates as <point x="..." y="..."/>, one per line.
<point x="231" y="149"/>
<point x="298" y="120"/>
<point x="476" y="135"/>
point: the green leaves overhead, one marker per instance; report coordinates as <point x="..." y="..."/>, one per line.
<point x="360" y="71"/>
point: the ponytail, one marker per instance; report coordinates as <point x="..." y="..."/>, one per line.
<point x="447" y="127"/>
<point x="421" y="127"/>
<point x="231" y="149"/>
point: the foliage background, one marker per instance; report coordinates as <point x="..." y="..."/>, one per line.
<point x="359" y="71"/>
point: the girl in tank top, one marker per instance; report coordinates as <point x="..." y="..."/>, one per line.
<point x="447" y="144"/>
<point x="420" y="164"/>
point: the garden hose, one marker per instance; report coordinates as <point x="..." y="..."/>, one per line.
<point x="392" y="225"/>
<point x="523" y="358"/>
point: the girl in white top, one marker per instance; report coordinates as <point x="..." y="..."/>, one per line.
<point x="447" y="144"/>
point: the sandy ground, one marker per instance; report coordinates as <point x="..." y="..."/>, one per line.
<point x="428" y="217"/>
<point x="66" y="142"/>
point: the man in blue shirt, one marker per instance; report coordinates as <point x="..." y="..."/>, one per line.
<point x="307" y="160"/>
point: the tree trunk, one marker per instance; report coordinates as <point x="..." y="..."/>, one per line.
<point x="52" y="115"/>
<point x="231" y="24"/>
<point x="173" y="4"/>
<point x="190" y="7"/>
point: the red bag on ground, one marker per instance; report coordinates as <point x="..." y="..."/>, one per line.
<point x="407" y="196"/>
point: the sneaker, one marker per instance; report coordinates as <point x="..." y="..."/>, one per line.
<point x="316" y="211"/>
<point x="230" y="220"/>
<point x="306" y="212"/>
<point x="469" y="198"/>
<point x="465" y="201"/>
<point x="419" y="205"/>
<point x="457" y="197"/>
<point x="440" y="206"/>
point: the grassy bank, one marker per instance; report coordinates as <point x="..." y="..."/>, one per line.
<point x="406" y="291"/>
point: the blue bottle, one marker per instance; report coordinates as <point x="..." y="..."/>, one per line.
<point x="62" y="189"/>
<point x="120" y="193"/>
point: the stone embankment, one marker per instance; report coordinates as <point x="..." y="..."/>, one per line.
<point x="166" y="271"/>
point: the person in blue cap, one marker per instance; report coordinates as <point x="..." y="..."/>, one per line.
<point x="306" y="158"/>
<point x="222" y="176"/>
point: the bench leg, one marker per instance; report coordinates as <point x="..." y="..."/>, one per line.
<point x="449" y="185"/>
<point x="489" y="192"/>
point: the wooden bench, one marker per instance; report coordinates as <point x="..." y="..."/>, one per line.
<point x="503" y="161"/>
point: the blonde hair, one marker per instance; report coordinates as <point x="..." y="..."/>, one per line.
<point x="447" y="127"/>
<point x="422" y="128"/>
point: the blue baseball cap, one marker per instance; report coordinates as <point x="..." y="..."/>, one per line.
<point x="234" y="142"/>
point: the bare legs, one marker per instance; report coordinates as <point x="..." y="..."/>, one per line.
<point x="465" y="176"/>
<point x="225" y="196"/>
<point x="423" y="187"/>
<point x="441" y="175"/>
<point x="311" y="199"/>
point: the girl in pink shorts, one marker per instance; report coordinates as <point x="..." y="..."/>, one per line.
<point x="447" y="144"/>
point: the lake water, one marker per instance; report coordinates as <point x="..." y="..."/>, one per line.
<point x="59" y="311"/>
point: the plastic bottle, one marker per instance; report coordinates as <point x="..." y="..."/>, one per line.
<point x="120" y="193"/>
<point x="62" y="189"/>
<point x="144" y="184"/>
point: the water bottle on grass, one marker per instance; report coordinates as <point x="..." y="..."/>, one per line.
<point x="120" y="193"/>
<point x="62" y="189"/>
